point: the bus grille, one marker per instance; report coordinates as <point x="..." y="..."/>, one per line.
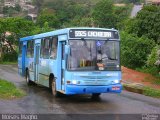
<point x="95" y="82"/>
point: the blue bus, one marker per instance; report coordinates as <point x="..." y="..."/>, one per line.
<point x="73" y="60"/>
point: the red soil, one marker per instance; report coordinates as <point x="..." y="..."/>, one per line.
<point x="133" y="76"/>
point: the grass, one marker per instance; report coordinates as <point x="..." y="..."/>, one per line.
<point x="151" y="92"/>
<point x="8" y="63"/>
<point x="157" y="82"/>
<point x="148" y="91"/>
<point x="9" y="91"/>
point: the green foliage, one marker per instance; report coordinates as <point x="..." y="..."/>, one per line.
<point x="8" y="63"/>
<point x="148" y="91"/>
<point x="11" y="29"/>
<point x="151" y="70"/>
<point x="80" y="22"/>
<point x="122" y="13"/>
<point x="67" y="12"/>
<point x="17" y="8"/>
<point x="71" y="13"/>
<point x="9" y="91"/>
<point x="103" y="14"/>
<point x="153" y="57"/>
<point x="49" y="17"/>
<point x="151" y="92"/>
<point x="134" y="50"/>
<point x="10" y="11"/>
<point x="146" y="23"/>
<point x="9" y="56"/>
<point x="17" y="28"/>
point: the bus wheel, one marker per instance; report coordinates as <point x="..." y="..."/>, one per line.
<point x="27" y="78"/>
<point x="96" y="95"/>
<point x="54" y="91"/>
<point x="53" y="86"/>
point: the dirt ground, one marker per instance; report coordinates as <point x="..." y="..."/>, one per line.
<point x="133" y="76"/>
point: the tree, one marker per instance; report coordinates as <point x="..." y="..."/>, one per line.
<point x="49" y="17"/>
<point x="103" y="14"/>
<point x="11" y="29"/>
<point x="153" y="61"/>
<point x="17" y="7"/>
<point x="67" y="12"/>
<point x="122" y="14"/>
<point x="146" y="23"/>
<point x="80" y="22"/>
<point x="134" y="50"/>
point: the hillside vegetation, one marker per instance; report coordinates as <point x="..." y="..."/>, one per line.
<point x="140" y="38"/>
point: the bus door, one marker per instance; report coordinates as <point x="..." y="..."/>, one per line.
<point x="23" y="58"/>
<point x="62" y="62"/>
<point x="36" y="61"/>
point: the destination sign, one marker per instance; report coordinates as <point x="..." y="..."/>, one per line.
<point x="75" y="33"/>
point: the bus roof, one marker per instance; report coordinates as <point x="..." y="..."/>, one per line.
<point x="59" y="32"/>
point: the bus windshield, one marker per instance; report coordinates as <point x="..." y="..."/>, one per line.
<point x="94" y="55"/>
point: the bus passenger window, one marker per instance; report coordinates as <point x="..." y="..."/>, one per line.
<point x="30" y="48"/>
<point x="53" y="47"/>
<point x="20" y="49"/>
<point x="45" y="48"/>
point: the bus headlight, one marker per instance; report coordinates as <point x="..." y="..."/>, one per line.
<point x="117" y="66"/>
<point x="74" y="82"/>
<point x="116" y="81"/>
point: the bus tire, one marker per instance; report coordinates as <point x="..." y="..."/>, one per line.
<point x="28" y="81"/>
<point x="53" y="86"/>
<point x="95" y="95"/>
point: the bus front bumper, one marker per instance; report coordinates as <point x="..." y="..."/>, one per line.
<point x="76" y="89"/>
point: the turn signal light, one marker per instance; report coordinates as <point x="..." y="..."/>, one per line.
<point x="68" y="82"/>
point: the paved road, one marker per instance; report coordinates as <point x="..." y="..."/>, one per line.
<point x="40" y="101"/>
<point x="135" y="10"/>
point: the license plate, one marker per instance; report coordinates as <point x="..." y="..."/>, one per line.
<point x="115" y="88"/>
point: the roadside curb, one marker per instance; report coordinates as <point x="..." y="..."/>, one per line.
<point x="141" y="89"/>
<point x="133" y="87"/>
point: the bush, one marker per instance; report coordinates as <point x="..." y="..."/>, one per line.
<point x="147" y="22"/>
<point x="153" y="60"/>
<point x="9" y="57"/>
<point x="134" y="50"/>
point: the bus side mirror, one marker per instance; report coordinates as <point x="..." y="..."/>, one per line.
<point x="67" y="49"/>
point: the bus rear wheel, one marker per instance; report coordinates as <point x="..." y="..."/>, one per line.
<point x="53" y="86"/>
<point x="28" y="81"/>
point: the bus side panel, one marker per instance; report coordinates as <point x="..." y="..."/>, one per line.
<point x="44" y="72"/>
<point x="23" y="59"/>
<point x="53" y="67"/>
<point x="20" y="65"/>
<point x="29" y="64"/>
<point x="60" y="81"/>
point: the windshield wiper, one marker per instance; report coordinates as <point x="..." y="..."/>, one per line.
<point x="112" y="58"/>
